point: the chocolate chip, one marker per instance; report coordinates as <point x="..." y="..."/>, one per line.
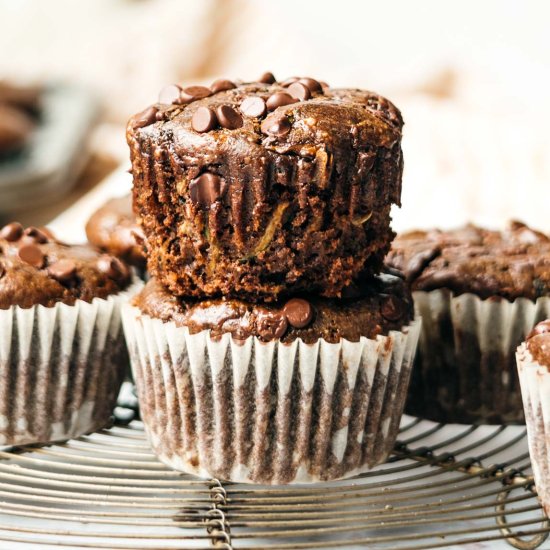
<point x="279" y="99"/>
<point x="300" y="91"/>
<point x="276" y="126"/>
<point x="228" y="117"/>
<point x="541" y="328"/>
<point x="205" y="189"/>
<point x="145" y="118"/>
<point x="112" y="267"/>
<point x="392" y="308"/>
<point x="267" y="78"/>
<point x="271" y="325"/>
<point x="324" y="85"/>
<point x="204" y="120"/>
<point x="32" y="255"/>
<point x="299" y="312"/>
<point x="221" y="85"/>
<point x="11" y="232"/>
<point x="62" y="270"/>
<point x="253" y="106"/>
<point x="313" y="85"/>
<point x="286" y="83"/>
<point x="170" y="94"/>
<point x="192" y="93"/>
<point x="35" y="235"/>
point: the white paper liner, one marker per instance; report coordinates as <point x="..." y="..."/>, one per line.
<point x="465" y="369"/>
<point x="61" y="368"/>
<point x="268" y="412"/>
<point x="535" y="390"/>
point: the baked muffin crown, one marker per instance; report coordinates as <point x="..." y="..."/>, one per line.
<point x="265" y="189"/>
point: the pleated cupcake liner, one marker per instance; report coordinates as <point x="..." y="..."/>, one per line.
<point x="535" y="390"/>
<point x="61" y="368"/>
<point x="465" y="370"/>
<point x="271" y="413"/>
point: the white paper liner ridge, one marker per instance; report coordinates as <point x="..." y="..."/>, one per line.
<point x="465" y="369"/>
<point x="60" y="368"/>
<point x="535" y="391"/>
<point x="268" y="412"/>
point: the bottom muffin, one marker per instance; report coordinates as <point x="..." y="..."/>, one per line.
<point x="533" y="358"/>
<point x="305" y="390"/>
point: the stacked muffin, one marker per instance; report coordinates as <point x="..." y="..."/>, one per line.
<point x="268" y="346"/>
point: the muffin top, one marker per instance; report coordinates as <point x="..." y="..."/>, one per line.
<point x="379" y="305"/>
<point x="512" y="264"/>
<point x="265" y="189"/>
<point x="113" y="229"/>
<point x="36" y="268"/>
<point x="538" y="343"/>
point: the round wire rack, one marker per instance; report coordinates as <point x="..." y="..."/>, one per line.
<point x="443" y="487"/>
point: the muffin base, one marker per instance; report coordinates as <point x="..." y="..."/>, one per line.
<point x="60" y="369"/>
<point x="227" y="409"/>
<point x="465" y="370"/>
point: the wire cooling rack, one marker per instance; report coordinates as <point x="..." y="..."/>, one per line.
<point x="444" y="487"/>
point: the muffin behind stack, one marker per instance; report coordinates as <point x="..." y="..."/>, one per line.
<point x="268" y="346"/>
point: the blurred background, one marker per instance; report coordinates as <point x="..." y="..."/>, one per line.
<point x="471" y="78"/>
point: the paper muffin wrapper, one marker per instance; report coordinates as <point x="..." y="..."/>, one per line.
<point x="249" y="411"/>
<point x="61" y="368"/>
<point x="535" y="390"/>
<point x="465" y="369"/>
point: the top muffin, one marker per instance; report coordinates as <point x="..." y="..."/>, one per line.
<point x="514" y="263"/>
<point x="265" y="189"/>
<point x="37" y="269"/>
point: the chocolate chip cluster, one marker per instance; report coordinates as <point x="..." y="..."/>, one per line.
<point x="297" y="312"/>
<point x="39" y="249"/>
<point x="258" y="105"/>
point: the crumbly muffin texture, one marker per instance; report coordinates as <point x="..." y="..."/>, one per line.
<point x="37" y="269"/>
<point x="538" y="343"/>
<point x="512" y="264"/>
<point x="378" y="306"/>
<point x="113" y="229"/>
<point x="265" y="189"/>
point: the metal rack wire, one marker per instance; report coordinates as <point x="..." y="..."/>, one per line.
<point x="444" y="486"/>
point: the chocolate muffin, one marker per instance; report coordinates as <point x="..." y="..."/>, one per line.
<point x="479" y="292"/>
<point x="533" y="359"/>
<point x="63" y="354"/>
<point x="265" y="189"/>
<point x="113" y="229"/>
<point x="299" y="390"/>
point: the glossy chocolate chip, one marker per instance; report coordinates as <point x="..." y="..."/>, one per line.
<point x="392" y="308"/>
<point x="204" y="119"/>
<point x="112" y="267"/>
<point x="62" y="270"/>
<point x="253" y="106"/>
<point x="170" y="94"/>
<point x="267" y="78"/>
<point x="313" y="85"/>
<point x="279" y="99"/>
<point x="228" y="117"/>
<point x="192" y="93"/>
<point x="35" y="235"/>
<point x="299" y="312"/>
<point x="205" y="189"/>
<point x="299" y="91"/>
<point x="271" y="325"/>
<point x="541" y="328"/>
<point x="287" y="82"/>
<point x="221" y="85"/>
<point x="278" y="126"/>
<point x="12" y="232"/>
<point x="32" y="255"/>
<point x="145" y="118"/>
